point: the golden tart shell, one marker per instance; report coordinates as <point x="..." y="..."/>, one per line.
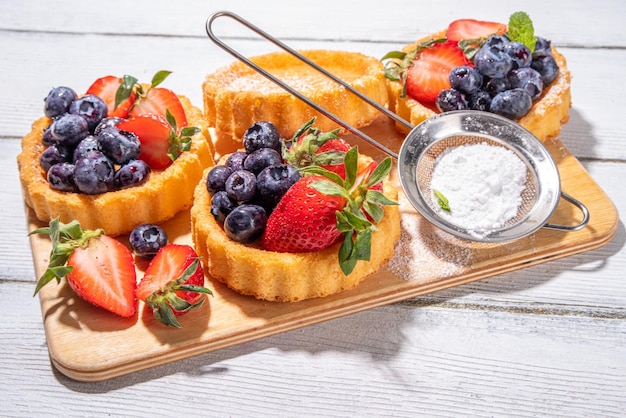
<point x="236" y="96"/>
<point x="284" y="277"/>
<point x="166" y="192"/>
<point x="544" y="120"/>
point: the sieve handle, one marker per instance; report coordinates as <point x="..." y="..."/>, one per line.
<point x="271" y="77"/>
<point x="580" y="225"/>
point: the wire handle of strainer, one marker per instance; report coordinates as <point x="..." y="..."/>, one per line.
<point x="332" y="116"/>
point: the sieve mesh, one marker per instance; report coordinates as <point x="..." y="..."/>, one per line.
<point x="428" y="160"/>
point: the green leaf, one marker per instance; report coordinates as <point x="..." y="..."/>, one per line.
<point x="351" y="163"/>
<point x="521" y="29"/>
<point x="159" y="77"/>
<point x="315" y="169"/>
<point x="171" y="120"/>
<point x="358" y="222"/>
<point x="125" y="89"/>
<point x="442" y="201"/>
<point x="189" y="131"/>
<point x="374" y="196"/>
<point x="380" y="172"/>
<point x="330" y="188"/>
<point x="165" y="315"/>
<point x="363" y="245"/>
<point x="373" y="210"/>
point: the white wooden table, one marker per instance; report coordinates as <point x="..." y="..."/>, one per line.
<point x="548" y="340"/>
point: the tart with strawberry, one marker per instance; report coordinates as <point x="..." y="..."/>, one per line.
<point x="236" y="96"/>
<point x="310" y="220"/>
<point x="489" y="66"/>
<point x="120" y="155"/>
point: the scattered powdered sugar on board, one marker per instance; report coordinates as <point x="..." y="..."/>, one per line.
<point x="422" y="253"/>
<point x="483" y="185"/>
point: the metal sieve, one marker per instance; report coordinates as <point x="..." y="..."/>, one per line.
<point x="427" y="141"/>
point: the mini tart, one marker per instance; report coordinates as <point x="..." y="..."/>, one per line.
<point x="284" y="277"/>
<point x="544" y="120"/>
<point x="166" y="192"/>
<point x="236" y="96"/>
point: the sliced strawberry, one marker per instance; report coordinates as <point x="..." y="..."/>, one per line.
<point x="334" y="146"/>
<point x="470" y="29"/>
<point x="98" y="268"/>
<point x="153" y="132"/>
<point x="103" y="273"/>
<point x="304" y="220"/>
<point x="157" y="101"/>
<point x="173" y="283"/>
<point x="106" y="88"/>
<point x="429" y="72"/>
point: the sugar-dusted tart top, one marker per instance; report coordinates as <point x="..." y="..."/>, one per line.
<point x="236" y="96"/>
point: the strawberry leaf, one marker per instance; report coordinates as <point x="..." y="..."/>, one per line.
<point x="351" y="162"/>
<point x="125" y="89"/>
<point x="330" y="188"/>
<point x="159" y="77"/>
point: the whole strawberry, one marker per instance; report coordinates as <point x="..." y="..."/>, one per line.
<point x="98" y="268"/>
<point x="323" y="208"/>
<point x="309" y="146"/>
<point x="173" y="283"/>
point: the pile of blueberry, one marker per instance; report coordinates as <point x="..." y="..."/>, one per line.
<point x="506" y="78"/>
<point x="85" y="151"/>
<point x="247" y="187"/>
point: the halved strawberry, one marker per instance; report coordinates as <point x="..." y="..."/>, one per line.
<point x="470" y="29"/>
<point x="173" y="283"/>
<point x="429" y="72"/>
<point x="160" y="143"/>
<point x="106" y="88"/>
<point x="98" y="268"/>
<point x="158" y="101"/>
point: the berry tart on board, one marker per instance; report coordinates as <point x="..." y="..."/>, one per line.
<point x="121" y="155"/>
<point x="293" y="220"/>
<point x="490" y="66"/>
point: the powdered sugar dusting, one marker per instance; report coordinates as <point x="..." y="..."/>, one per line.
<point x="422" y="253"/>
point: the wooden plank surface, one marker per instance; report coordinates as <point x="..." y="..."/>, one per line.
<point x="547" y="340"/>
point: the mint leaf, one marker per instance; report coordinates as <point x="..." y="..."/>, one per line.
<point x="521" y="29"/>
<point x="442" y="201"/>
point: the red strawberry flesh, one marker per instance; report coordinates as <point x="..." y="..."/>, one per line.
<point x="153" y="132"/>
<point x="158" y="101"/>
<point x="106" y="88"/>
<point x="469" y="29"/>
<point x="103" y="273"/>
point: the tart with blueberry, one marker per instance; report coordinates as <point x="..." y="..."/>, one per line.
<point x="236" y="96"/>
<point x="297" y="219"/>
<point x="490" y="66"/>
<point x="121" y="155"/>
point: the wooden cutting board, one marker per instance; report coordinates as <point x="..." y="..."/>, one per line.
<point x="89" y="344"/>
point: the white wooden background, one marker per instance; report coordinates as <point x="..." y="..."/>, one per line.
<point x="548" y="340"/>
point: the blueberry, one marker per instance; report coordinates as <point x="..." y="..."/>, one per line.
<point x="61" y="177"/>
<point x="497" y="85"/>
<point x="546" y="66"/>
<point x="47" y="138"/>
<point x="450" y="99"/>
<point x="527" y="79"/>
<point x="235" y="161"/>
<point x="245" y="223"/>
<point x="216" y="178"/>
<point x="133" y="173"/>
<point x="58" y="101"/>
<point x="492" y="61"/>
<point x="91" y="107"/>
<point x="497" y="41"/>
<point x="512" y="104"/>
<point x="241" y="186"/>
<point x="542" y="47"/>
<point x="120" y="146"/>
<point x="108" y="122"/>
<point x="147" y="239"/>
<point x="261" y="158"/>
<point x="261" y="135"/>
<point x="222" y="205"/>
<point x="274" y="181"/>
<point x="481" y="100"/>
<point x="519" y="53"/>
<point x="69" y="129"/>
<point x="465" y="79"/>
<point x="90" y="143"/>
<point x="94" y="173"/>
<point x="54" y="154"/>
